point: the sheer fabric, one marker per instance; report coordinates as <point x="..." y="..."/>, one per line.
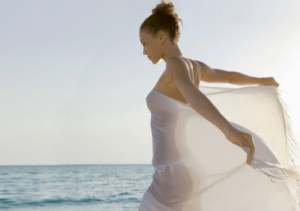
<point x="198" y="169"/>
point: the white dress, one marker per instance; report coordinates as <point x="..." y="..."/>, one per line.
<point x="198" y="169"/>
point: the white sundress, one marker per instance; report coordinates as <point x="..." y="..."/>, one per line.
<point x="198" y="169"/>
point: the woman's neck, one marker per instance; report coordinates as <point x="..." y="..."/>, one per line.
<point x="171" y="50"/>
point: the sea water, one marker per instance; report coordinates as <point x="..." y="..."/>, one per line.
<point x="73" y="187"/>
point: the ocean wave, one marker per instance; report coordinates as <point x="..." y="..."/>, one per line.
<point x="108" y="187"/>
<point x="48" y="201"/>
<point x="5" y="203"/>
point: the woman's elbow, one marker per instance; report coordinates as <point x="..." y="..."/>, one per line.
<point x="230" y="79"/>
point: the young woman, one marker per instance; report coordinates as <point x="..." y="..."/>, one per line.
<point x="183" y="180"/>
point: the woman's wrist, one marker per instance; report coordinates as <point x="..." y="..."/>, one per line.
<point x="227" y="129"/>
<point x="260" y="81"/>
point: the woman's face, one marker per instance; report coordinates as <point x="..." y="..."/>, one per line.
<point x="152" y="46"/>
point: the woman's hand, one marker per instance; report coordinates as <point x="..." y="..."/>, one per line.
<point x="242" y="139"/>
<point x="270" y="81"/>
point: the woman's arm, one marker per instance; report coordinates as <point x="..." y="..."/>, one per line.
<point x="199" y="102"/>
<point x="211" y="75"/>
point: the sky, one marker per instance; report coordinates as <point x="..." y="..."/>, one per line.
<point x="74" y="80"/>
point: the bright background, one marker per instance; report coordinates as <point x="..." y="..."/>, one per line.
<point x="73" y="79"/>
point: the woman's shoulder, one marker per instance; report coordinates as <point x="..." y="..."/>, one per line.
<point x="174" y="60"/>
<point x="175" y="64"/>
<point x="201" y="64"/>
<point x="177" y="61"/>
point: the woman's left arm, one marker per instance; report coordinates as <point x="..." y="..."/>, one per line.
<point x="241" y="79"/>
<point x="211" y="75"/>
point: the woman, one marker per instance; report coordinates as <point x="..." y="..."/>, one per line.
<point x="193" y="173"/>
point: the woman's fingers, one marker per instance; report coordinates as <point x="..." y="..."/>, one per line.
<point x="270" y="81"/>
<point x="243" y="139"/>
<point x="276" y="84"/>
<point x="250" y="143"/>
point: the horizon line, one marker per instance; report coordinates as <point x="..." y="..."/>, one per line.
<point x="76" y="164"/>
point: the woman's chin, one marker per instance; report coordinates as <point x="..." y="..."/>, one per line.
<point x="155" y="61"/>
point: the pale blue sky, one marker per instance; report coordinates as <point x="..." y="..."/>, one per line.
<point x="74" y="80"/>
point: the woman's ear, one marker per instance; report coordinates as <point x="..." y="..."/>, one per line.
<point x="161" y="36"/>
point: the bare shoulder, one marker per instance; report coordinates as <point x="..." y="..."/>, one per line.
<point x="202" y="65"/>
<point x="204" y="69"/>
<point x="175" y="65"/>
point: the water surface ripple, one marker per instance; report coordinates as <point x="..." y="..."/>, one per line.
<point x="73" y="187"/>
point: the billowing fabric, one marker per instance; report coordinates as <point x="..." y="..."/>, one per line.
<point x="198" y="169"/>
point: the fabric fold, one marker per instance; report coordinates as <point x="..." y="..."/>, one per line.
<point x="197" y="168"/>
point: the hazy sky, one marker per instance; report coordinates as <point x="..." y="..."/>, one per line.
<point x="74" y="80"/>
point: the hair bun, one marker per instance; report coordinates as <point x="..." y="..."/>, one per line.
<point x="163" y="18"/>
<point x="164" y="8"/>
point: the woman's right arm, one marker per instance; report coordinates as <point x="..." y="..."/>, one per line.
<point x="211" y="75"/>
<point x="178" y="71"/>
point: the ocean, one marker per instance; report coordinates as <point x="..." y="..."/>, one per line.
<point x="73" y="187"/>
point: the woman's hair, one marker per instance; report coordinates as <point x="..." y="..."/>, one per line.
<point x="163" y="18"/>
